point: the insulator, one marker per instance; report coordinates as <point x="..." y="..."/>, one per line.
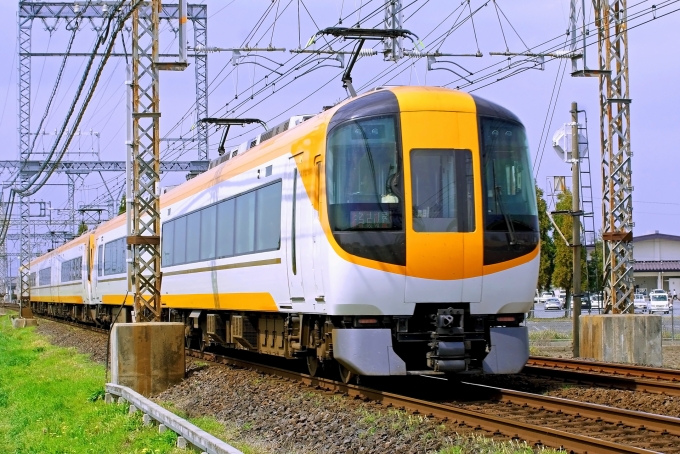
<point x="368" y="52"/>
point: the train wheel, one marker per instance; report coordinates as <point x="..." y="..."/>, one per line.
<point x="346" y="375"/>
<point x="187" y="341"/>
<point x="201" y="345"/>
<point x="313" y="365"/>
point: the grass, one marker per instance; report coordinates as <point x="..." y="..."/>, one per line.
<point x="51" y="401"/>
<point x="476" y="444"/>
<point x="668" y="335"/>
<point x="547" y="335"/>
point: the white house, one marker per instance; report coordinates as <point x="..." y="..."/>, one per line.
<point x="657" y="262"/>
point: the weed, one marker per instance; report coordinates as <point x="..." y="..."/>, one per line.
<point x="478" y="444"/>
<point x="96" y="395"/>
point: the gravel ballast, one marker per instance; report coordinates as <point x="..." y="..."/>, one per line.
<point x="272" y="414"/>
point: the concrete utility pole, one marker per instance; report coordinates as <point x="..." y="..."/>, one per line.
<point x="576" y="227"/>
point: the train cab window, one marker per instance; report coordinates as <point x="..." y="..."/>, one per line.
<point x="364" y="188"/>
<point x="510" y="213"/>
<point x="31" y="279"/>
<point x="442" y="191"/>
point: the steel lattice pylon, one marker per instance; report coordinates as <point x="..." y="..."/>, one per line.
<point x="200" y="22"/>
<point x="145" y="225"/>
<point x="25" y="25"/>
<point x="617" y="188"/>
<point x="394" y="47"/>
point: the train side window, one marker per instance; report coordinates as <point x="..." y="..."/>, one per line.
<point x="208" y="228"/>
<point x="168" y="241"/>
<point x="109" y="258"/>
<point x="245" y="223"/>
<point x="193" y="236"/>
<point x="443" y="190"/>
<point x="45" y="276"/>
<point x="225" y="228"/>
<point x="100" y="260"/>
<point x="268" y="231"/>
<point x="180" y="243"/>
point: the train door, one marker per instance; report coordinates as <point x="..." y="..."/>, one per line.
<point x="318" y="237"/>
<point x="293" y="231"/>
<point x="88" y="252"/>
<point x="444" y="240"/>
<point x="97" y="270"/>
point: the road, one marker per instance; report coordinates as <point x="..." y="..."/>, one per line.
<point x="540" y="319"/>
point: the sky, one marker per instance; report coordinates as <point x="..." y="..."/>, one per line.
<point x="499" y="26"/>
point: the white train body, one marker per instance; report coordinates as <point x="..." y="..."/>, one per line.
<point x="258" y="256"/>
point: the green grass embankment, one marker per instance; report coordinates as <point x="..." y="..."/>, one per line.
<point x="50" y="402"/>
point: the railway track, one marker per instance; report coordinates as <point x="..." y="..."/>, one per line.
<point x="540" y="420"/>
<point x="618" y="376"/>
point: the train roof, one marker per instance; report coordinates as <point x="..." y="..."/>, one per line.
<point x="409" y="98"/>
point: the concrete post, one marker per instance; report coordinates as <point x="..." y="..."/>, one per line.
<point x="576" y="232"/>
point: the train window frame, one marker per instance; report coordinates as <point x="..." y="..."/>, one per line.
<point x="72" y="270"/>
<point x="114" y="254"/>
<point x="45" y="274"/>
<point x="463" y="197"/>
<point x="385" y="245"/>
<point x="222" y="213"/>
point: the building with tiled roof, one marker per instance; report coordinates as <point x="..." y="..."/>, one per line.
<point x="657" y="261"/>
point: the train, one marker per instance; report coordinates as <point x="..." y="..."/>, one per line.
<point x="395" y="233"/>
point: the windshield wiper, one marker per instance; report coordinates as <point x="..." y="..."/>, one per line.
<point x="499" y="207"/>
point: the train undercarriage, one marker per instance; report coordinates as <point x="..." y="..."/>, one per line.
<point x="438" y="339"/>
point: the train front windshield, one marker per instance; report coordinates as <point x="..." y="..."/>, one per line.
<point x="363" y="182"/>
<point x="510" y="213"/>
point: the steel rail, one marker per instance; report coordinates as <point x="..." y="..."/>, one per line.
<point x="604" y="379"/>
<point x="628" y="370"/>
<point x="539" y="435"/>
<point x="614" y="415"/>
<point x="497" y="425"/>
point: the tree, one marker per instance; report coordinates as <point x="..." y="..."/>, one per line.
<point x="595" y="270"/>
<point x="82" y="228"/>
<point x="563" y="271"/>
<point x="123" y="205"/>
<point x="547" y="243"/>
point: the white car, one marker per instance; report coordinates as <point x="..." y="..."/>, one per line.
<point x="658" y="302"/>
<point x="640" y="303"/>
<point x="553" y="303"/>
<point x="545" y="296"/>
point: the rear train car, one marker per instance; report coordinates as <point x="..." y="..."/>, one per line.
<point x="394" y="234"/>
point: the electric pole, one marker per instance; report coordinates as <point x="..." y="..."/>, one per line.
<point x="144" y="228"/>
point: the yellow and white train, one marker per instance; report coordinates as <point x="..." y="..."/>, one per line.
<point x="393" y="234"/>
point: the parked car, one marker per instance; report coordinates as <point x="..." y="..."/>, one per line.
<point x="596" y="301"/>
<point x="545" y="296"/>
<point x="640" y="304"/>
<point x="585" y="302"/>
<point x="553" y="304"/>
<point x="658" y="302"/>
